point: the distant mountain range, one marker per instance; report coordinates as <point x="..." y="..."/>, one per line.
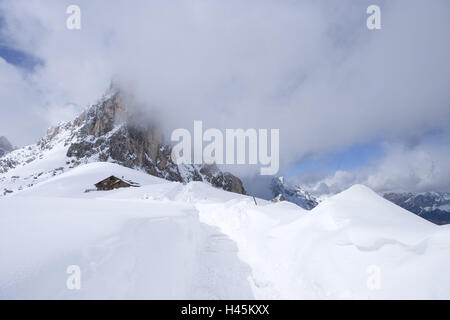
<point x="432" y="206"/>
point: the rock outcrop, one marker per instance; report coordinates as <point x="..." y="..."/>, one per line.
<point x="432" y="206"/>
<point x="284" y="191"/>
<point x="112" y="130"/>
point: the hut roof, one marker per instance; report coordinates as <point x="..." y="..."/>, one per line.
<point x="112" y="180"/>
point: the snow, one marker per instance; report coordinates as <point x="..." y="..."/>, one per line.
<point x="326" y="252"/>
<point x="37" y="162"/>
<point x="169" y="240"/>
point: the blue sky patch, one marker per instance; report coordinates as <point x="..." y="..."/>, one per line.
<point x="352" y="158"/>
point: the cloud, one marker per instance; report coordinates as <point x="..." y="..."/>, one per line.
<point x="424" y="167"/>
<point x="18" y="97"/>
<point x="310" y="68"/>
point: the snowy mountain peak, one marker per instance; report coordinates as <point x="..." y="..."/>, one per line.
<point x="292" y="193"/>
<point x="112" y="130"/>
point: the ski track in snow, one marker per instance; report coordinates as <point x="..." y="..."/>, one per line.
<point x="145" y="258"/>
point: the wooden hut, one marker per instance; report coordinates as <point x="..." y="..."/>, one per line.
<point x="113" y="182"/>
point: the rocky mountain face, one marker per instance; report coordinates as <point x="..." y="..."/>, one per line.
<point x="432" y="206"/>
<point x="5" y="146"/>
<point x="113" y="130"/>
<point x="284" y="191"/>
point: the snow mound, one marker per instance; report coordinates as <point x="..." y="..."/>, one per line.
<point x="337" y="249"/>
<point x="126" y="245"/>
<point x="75" y="182"/>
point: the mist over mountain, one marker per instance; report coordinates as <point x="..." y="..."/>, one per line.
<point x="5" y="146"/>
<point x="356" y="205"/>
<point x="315" y="71"/>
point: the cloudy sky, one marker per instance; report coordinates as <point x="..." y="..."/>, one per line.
<point x="353" y="105"/>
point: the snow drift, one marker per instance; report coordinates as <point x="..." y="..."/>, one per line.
<point x="173" y="240"/>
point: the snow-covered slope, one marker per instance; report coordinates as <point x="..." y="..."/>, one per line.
<point x="173" y="240"/>
<point x="127" y="244"/>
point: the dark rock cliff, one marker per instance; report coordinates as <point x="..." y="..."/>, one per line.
<point x="112" y="131"/>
